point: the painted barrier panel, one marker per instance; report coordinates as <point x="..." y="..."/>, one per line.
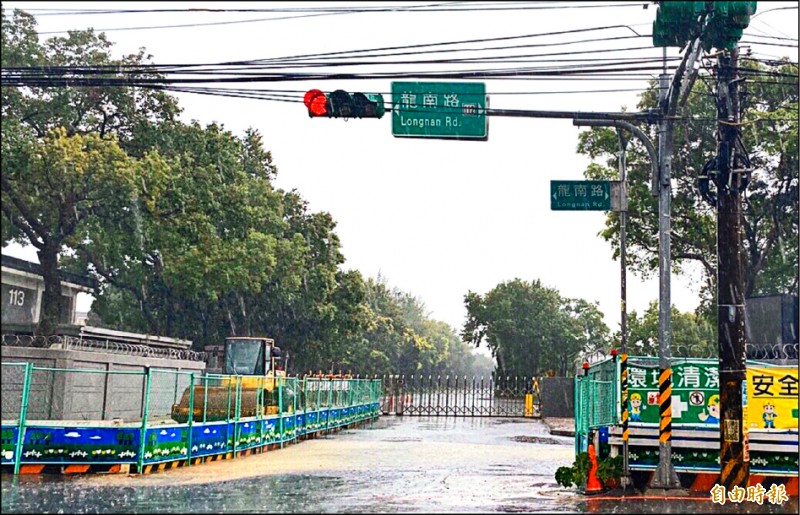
<point x="772" y="397"/>
<point x="247" y="434"/>
<point x="695" y="392"/>
<point x="696" y="449"/>
<point x="9" y="444"/>
<point x="209" y="438"/>
<point x="80" y="445"/>
<point x="167" y="443"/>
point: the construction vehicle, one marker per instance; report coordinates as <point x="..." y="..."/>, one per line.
<point x="252" y="372"/>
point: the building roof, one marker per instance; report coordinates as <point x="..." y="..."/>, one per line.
<point x="36" y="268"/>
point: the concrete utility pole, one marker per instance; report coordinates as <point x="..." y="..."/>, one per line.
<point x="732" y="173"/>
<point x="665" y="476"/>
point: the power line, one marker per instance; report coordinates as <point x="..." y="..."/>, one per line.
<point x="319" y="12"/>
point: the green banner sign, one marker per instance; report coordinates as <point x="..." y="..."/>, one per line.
<point x="695" y="393"/>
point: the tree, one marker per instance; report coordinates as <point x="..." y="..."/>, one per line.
<point x="530" y="328"/>
<point x="770" y="205"/>
<point x="692" y="334"/>
<point x="63" y="150"/>
<point x="53" y="187"/>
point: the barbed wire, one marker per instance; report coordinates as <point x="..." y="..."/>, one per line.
<point x="776" y="351"/>
<point x="92" y="345"/>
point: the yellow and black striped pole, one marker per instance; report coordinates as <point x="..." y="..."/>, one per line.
<point x="665" y="476"/>
<point x="665" y="405"/>
<point x="625" y="480"/>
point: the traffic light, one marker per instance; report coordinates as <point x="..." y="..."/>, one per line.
<point x="726" y="24"/>
<point x="341" y="104"/>
<point x="677" y="22"/>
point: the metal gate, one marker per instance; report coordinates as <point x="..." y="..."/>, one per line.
<point x="459" y="396"/>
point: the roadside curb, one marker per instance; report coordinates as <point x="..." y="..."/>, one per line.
<point x="558" y="431"/>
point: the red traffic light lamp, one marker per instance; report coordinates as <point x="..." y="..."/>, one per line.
<point x="316" y="102"/>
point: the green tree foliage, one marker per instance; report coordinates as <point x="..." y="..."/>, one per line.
<point x="400" y="338"/>
<point x="770" y="205"/>
<point x="54" y="187"/>
<point x="530" y="328"/>
<point x="692" y="335"/>
<point x="55" y="181"/>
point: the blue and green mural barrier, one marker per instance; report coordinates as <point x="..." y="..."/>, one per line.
<point x="305" y="406"/>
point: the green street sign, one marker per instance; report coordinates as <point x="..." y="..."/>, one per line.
<point x="445" y="110"/>
<point x="580" y="195"/>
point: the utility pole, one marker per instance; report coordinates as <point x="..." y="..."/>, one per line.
<point x="733" y="170"/>
<point x="717" y="25"/>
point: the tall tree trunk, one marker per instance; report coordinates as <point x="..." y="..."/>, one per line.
<point x="501" y="363"/>
<point x="51" y="300"/>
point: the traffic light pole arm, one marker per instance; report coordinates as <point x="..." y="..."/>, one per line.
<point x="636" y="131"/>
<point x="647" y="117"/>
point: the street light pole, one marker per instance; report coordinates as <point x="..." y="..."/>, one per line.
<point x="625" y="479"/>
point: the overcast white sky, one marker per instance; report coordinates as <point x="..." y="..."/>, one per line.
<point x="436" y="218"/>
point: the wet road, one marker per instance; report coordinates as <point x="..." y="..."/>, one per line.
<point x="395" y="465"/>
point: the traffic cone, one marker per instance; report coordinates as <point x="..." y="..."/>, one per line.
<point x="593" y="484"/>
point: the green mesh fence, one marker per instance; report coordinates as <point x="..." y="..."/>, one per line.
<point x="597" y="400"/>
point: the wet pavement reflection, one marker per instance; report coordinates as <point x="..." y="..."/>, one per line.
<point x="394" y="465"/>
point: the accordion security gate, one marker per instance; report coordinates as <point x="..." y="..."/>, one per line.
<point x="459" y="396"/>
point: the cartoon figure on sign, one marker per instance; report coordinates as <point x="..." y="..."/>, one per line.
<point x="713" y="411"/>
<point x="769" y="416"/>
<point x="636" y="406"/>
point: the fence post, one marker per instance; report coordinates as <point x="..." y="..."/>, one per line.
<point x="228" y="416"/>
<point x="145" y="409"/>
<point x="280" y="409"/>
<point x="23" y="414"/>
<point x="205" y="395"/>
<point x="317" y="420"/>
<point x="237" y="411"/>
<point x="191" y="416"/>
<point x="330" y="401"/>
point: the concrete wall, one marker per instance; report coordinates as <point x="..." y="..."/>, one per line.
<point x="57" y="395"/>
<point x="558" y="397"/>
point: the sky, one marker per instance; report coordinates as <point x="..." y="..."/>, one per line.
<point x="435" y="218"/>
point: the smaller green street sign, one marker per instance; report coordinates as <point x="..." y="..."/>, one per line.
<point x="580" y="195"/>
<point x="441" y="110"/>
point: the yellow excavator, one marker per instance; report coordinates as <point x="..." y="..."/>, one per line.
<point x="252" y="371"/>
